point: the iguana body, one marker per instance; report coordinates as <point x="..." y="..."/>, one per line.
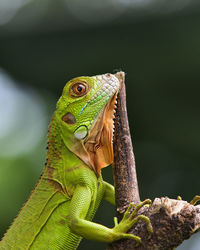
<point x="60" y="209"/>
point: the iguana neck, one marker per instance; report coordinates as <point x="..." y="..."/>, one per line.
<point x="60" y="159"/>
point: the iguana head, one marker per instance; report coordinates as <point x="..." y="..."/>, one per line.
<point x="85" y="113"/>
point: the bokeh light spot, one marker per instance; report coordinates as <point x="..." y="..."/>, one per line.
<point x="23" y="119"/>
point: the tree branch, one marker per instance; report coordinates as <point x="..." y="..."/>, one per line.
<point x="124" y="169"/>
<point x="173" y="220"/>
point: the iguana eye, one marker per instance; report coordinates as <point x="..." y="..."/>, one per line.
<point x="79" y="89"/>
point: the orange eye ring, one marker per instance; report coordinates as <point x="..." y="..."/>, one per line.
<point x="79" y="89"/>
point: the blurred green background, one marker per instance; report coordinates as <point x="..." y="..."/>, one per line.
<point x="45" y="43"/>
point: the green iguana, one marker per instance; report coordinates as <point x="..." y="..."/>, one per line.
<point x="60" y="209"/>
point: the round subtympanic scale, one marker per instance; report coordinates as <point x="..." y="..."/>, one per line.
<point x="81" y="132"/>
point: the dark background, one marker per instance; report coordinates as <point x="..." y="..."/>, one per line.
<point x="43" y="44"/>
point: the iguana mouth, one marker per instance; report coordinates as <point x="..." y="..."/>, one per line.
<point x="99" y="142"/>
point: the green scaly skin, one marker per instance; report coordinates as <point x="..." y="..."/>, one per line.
<point x="60" y="209"/>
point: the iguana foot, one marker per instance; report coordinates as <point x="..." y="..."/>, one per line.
<point x="195" y="200"/>
<point x="146" y="202"/>
<point x="130" y="219"/>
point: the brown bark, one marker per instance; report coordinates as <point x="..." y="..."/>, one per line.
<point x="173" y="220"/>
<point x="124" y="169"/>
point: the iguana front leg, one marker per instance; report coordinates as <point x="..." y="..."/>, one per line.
<point x="79" y="207"/>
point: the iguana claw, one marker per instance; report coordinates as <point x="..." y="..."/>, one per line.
<point x="195" y="200"/>
<point x="146" y="202"/>
<point x="179" y="198"/>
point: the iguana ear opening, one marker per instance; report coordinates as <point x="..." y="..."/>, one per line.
<point x="96" y="150"/>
